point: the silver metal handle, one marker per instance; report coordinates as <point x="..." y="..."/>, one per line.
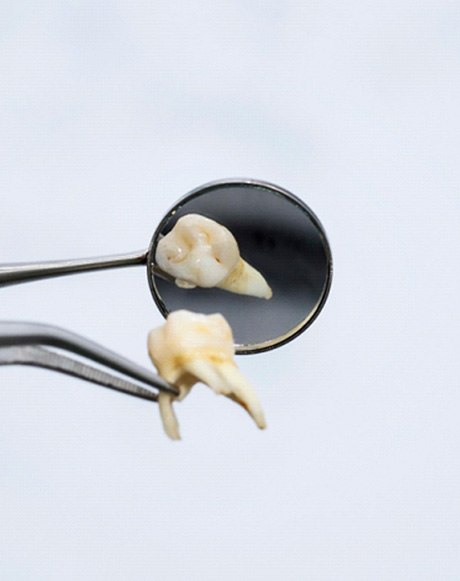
<point x="26" y="272"/>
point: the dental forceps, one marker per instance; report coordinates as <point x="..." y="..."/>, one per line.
<point x="28" y="344"/>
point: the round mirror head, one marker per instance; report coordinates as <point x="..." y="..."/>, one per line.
<point x="279" y="236"/>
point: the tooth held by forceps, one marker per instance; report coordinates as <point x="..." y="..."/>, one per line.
<point x="201" y="252"/>
<point x="190" y="348"/>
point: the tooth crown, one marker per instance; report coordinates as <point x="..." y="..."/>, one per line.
<point x="189" y="336"/>
<point x="198" y="250"/>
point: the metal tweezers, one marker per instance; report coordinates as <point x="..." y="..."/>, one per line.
<point x="22" y="344"/>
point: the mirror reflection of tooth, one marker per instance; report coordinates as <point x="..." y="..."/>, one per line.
<point x="190" y="348"/>
<point x="198" y="251"/>
<point x="201" y="252"/>
<point x="184" y="283"/>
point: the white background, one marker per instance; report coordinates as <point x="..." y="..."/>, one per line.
<point x="110" y="111"/>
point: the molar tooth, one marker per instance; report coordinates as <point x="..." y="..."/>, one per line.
<point x="191" y="348"/>
<point x="201" y="252"/>
<point x="197" y="251"/>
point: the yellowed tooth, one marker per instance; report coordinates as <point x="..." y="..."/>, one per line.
<point x="191" y="348"/>
<point x="201" y="252"/>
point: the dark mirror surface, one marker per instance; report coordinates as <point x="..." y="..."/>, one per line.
<point x="278" y="235"/>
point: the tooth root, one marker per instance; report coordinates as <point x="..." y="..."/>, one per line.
<point x="244" y="279"/>
<point x="226" y="379"/>
<point x="168" y="417"/>
<point x="244" y="394"/>
<point x="256" y="414"/>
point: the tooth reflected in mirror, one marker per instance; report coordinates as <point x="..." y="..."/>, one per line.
<point x="201" y="252"/>
<point x="266" y="227"/>
<point x="190" y="348"/>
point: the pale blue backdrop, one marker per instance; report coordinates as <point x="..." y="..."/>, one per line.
<point x="109" y="111"/>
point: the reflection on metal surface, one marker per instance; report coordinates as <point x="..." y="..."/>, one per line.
<point x="281" y="237"/>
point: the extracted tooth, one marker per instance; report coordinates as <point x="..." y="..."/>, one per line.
<point x="201" y="252"/>
<point x="190" y="348"/>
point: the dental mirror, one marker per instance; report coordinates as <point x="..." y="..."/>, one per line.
<point x="276" y="233"/>
<point x="279" y="236"/>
